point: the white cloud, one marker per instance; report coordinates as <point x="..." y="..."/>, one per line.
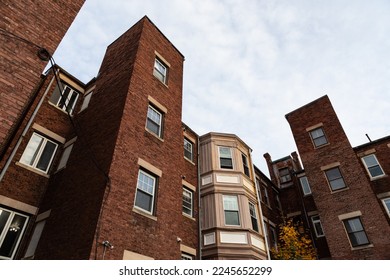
<point x="248" y="63"/>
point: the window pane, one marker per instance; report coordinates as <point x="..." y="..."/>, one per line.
<point x="153" y="127"/>
<point x="225" y="152"/>
<point x="353" y="225"/>
<point x="146" y="183"/>
<point x="144" y="200"/>
<point x="226" y="163"/>
<point x="320" y="141"/>
<point x="4" y="215"/>
<point x="187" y="202"/>
<point x="317" y="133"/>
<point x="230" y="202"/>
<point x="333" y="174"/>
<point x="305" y="185"/>
<point x="187" y="149"/>
<point x="46" y="156"/>
<point x="387" y="204"/>
<point x="231" y="218"/>
<point x="358" y="238"/>
<point x="14" y="232"/>
<point x="32" y="149"/>
<point x="375" y="171"/>
<point x="337" y="184"/>
<point x="370" y="160"/>
<point x="71" y="102"/>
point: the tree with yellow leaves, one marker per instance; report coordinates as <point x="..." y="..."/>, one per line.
<point x="293" y="245"/>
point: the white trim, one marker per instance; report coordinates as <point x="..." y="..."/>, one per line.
<point x="310" y="128"/>
<point x="349" y="215"/>
<point x="49" y="133"/>
<point x="377" y="164"/>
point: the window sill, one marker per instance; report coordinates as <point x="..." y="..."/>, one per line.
<point x="32" y="169"/>
<point x="189" y="217"/>
<point x="161" y="82"/>
<point x="190" y="161"/>
<point x="362" y="247"/>
<point x="59" y="109"/>
<point x="340" y="190"/>
<point x="154" y="135"/>
<point x="378" y="177"/>
<point x="143" y="213"/>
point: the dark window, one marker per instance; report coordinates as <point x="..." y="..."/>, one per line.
<point x="318" y="137"/>
<point x="245" y="165"/>
<point x="356" y="232"/>
<point x="284" y="175"/>
<point x="225" y="158"/>
<point x="252" y="211"/>
<point x="335" y="179"/>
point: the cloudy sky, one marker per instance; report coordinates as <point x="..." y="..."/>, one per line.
<point x="250" y="62"/>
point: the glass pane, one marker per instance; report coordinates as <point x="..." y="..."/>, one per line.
<point x="370" y="160"/>
<point x="55" y="97"/>
<point x="146" y="183"/>
<point x="71" y="101"/>
<point x="144" y="200"/>
<point x="225" y="152"/>
<point x="12" y="237"/>
<point x="333" y="174"/>
<point x="46" y="156"/>
<point x="317" y="133"/>
<point x="158" y="75"/>
<point x="305" y="185"/>
<point x="226" y="163"/>
<point x="160" y="67"/>
<point x="255" y="226"/>
<point x="320" y="141"/>
<point x="375" y="171"/>
<point x="354" y="225"/>
<point x="64" y="98"/>
<point x="32" y="149"/>
<point x="230" y="202"/>
<point x="154" y="115"/>
<point x="231" y="218"/>
<point x="358" y="238"/>
<point x="153" y="127"/>
<point x="387" y="203"/>
<point x="337" y="184"/>
<point x="318" y="228"/>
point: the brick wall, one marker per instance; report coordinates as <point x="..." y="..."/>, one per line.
<point x="40" y="23"/>
<point x="358" y="195"/>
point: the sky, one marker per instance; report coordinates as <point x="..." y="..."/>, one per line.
<point x="250" y="62"/>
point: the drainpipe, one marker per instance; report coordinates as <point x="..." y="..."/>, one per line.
<point x="27" y="127"/>
<point x="199" y="204"/>
<point x="261" y="211"/>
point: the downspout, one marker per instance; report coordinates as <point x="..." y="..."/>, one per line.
<point x="261" y="211"/>
<point x="27" y="127"/>
<point x="199" y="204"/>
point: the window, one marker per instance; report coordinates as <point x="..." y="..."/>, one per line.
<point x="186" y="257"/>
<point x="372" y="165"/>
<point x="273" y="238"/>
<point x="86" y="100"/>
<point x="318" y="137"/>
<point x="277" y="201"/>
<point x="146" y="188"/>
<point x="317" y="226"/>
<point x="39" y="152"/>
<point x="335" y="179"/>
<point x="357" y="235"/>
<point x="284" y="175"/>
<point x="230" y="207"/>
<point x="258" y="183"/>
<point x="305" y="185"/>
<point x="225" y="158"/>
<point x="188" y="152"/>
<point x="160" y="71"/>
<point x="154" y="121"/>
<point x="252" y="211"/>
<point x="66" y="100"/>
<point x="187" y="202"/>
<point x="245" y="165"/>
<point x="65" y="157"/>
<point x="12" y="225"/>
<point x="386" y="203"/>
<point x="266" y="198"/>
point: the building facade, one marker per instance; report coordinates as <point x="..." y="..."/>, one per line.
<point x="108" y="170"/>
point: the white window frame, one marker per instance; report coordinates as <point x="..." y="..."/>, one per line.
<point x="253" y="214"/>
<point x="191" y="195"/>
<point x="306" y="189"/>
<point x="159" y="124"/>
<point x="313" y="135"/>
<point x="330" y="181"/>
<point x="162" y="76"/>
<point x="189" y="147"/>
<point x="228" y="208"/>
<point x="37" y="153"/>
<point x="8" y="226"/>
<point x="231" y="157"/>
<point x="64" y="107"/>
<point x="187" y="257"/>
<point x="376" y="165"/>
<point x="316" y="221"/>
<point x="152" y="194"/>
<point x="386" y="204"/>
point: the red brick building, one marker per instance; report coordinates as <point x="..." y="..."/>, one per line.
<point x="350" y="186"/>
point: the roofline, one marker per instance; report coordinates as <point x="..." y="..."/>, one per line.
<point x="306" y="105"/>
<point x="372" y="142"/>
<point x="226" y="135"/>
